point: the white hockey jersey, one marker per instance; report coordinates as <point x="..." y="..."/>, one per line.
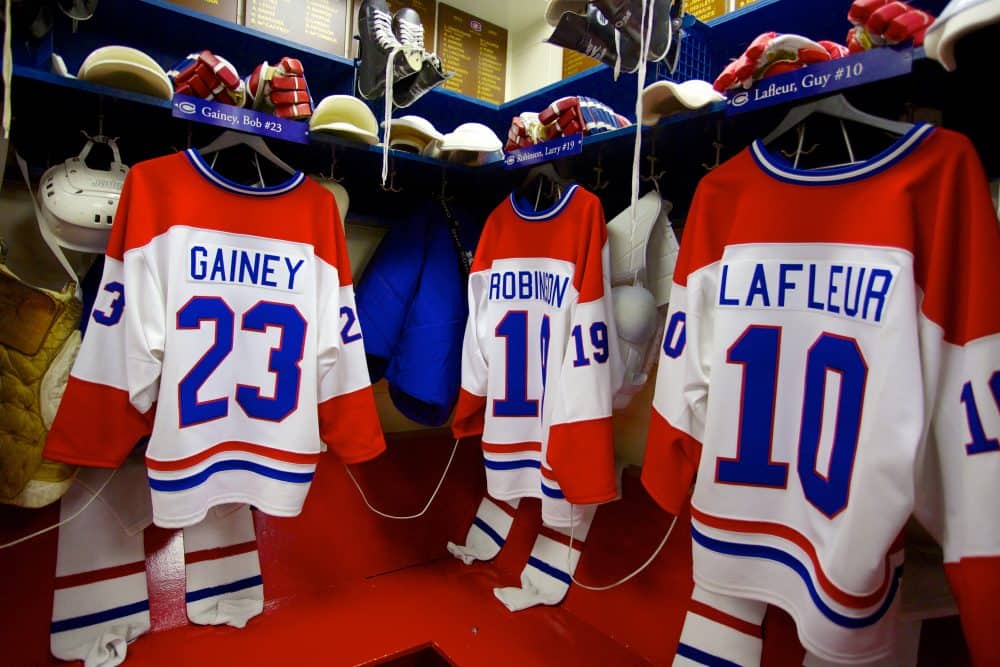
<point x="225" y="328"/>
<point x="540" y="360"/>
<point x="830" y="365"/>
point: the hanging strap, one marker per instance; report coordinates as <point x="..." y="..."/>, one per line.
<point x="464" y="259"/>
<point x="47" y="235"/>
<point x="8" y="72"/>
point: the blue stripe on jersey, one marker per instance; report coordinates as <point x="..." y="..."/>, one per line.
<point x="512" y="465"/>
<point x="779" y="556"/>
<point x="553" y="572"/>
<point x="552" y="493"/>
<point x="184" y="483"/>
<point x="699" y="656"/>
<point x="214" y="177"/>
<point x="77" y="622"/>
<point x="486" y="528"/>
<point x="780" y="168"/>
<point x="211" y="591"/>
<point x="524" y="210"/>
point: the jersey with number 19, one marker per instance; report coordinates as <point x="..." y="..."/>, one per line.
<point x="831" y="364"/>
<point x="225" y="329"/>
<point x="540" y="361"/>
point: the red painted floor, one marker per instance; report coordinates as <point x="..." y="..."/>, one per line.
<point x="346" y="587"/>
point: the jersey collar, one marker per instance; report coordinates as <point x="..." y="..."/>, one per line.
<point x="779" y="167"/>
<point x="524" y="211"/>
<point x="217" y="179"/>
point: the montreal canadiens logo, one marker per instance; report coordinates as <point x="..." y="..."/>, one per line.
<point x="187" y="107"/>
<point x="739" y="99"/>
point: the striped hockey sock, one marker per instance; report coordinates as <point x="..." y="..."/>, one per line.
<point x="224" y="585"/>
<point x="547" y="576"/>
<point x="100" y="601"/>
<point x="488" y="531"/>
<point x="721" y="630"/>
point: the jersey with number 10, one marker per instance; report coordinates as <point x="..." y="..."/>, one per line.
<point x="831" y="364"/>
<point x="540" y="355"/>
<point x="225" y="325"/>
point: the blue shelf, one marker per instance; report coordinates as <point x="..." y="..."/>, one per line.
<point x="167" y="32"/>
<point x="86" y="87"/>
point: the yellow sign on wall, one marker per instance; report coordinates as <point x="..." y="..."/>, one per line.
<point x="705" y="10"/>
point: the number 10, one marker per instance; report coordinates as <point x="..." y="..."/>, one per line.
<point x="758" y="351"/>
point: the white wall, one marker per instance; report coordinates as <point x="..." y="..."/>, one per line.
<point x="531" y="62"/>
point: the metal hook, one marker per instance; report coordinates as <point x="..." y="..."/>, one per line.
<point x="333" y="165"/>
<point x="799" y="151"/>
<point x="718" y="146"/>
<point x="391" y="187"/>
<point x="100" y="115"/>
<point x="442" y="193"/>
<point x="654" y="176"/>
<point x="599" y="184"/>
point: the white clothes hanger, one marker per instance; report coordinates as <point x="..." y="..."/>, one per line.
<point x="231" y="138"/>
<point x="838" y="107"/>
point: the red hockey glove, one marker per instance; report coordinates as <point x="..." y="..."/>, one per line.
<point x="881" y="22"/>
<point x="563" y="117"/>
<point x="209" y="77"/>
<point x="280" y="89"/>
<point x="769" y="54"/>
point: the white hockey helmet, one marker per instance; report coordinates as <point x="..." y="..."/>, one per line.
<point x="959" y="18"/>
<point x="412" y="133"/>
<point x="472" y="144"/>
<point x="345" y="116"/>
<point x="128" y="69"/>
<point x="78" y="202"/>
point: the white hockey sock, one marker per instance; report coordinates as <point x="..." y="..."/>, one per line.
<point x="547" y="576"/>
<point x="224" y="585"/>
<point x="488" y="531"/>
<point x="100" y="602"/>
<point x="721" y="630"/>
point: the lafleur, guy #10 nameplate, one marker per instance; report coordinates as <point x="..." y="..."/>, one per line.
<point x="822" y="78"/>
<point x="238" y="118"/>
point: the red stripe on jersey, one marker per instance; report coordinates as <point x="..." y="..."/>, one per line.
<point x="577" y="234"/>
<point x="104" y="574"/>
<point x="220" y="552"/>
<point x="713" y="614"/>
<point x="582" y="457"/>
<point x="470" y="413"/>
<point x="158" y="194"/>
<point x="349" y="425"/>
<point x="513" y="448"/>
<point x="789" y="534"/>
<point x="976" y="585"/>
<point x="933" y="203"/>
<point x="106" y="411"/>
<point x="233" y="446"/>
<point x="670" y="463"/>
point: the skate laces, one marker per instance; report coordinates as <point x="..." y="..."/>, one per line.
<point x="383" y="31"/>
<point x="411" y="34"/>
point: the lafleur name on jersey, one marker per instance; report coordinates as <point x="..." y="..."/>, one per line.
<point x="220" y="264"/>
<point x="849" y="290"/>
<point x="524" y="285"/>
